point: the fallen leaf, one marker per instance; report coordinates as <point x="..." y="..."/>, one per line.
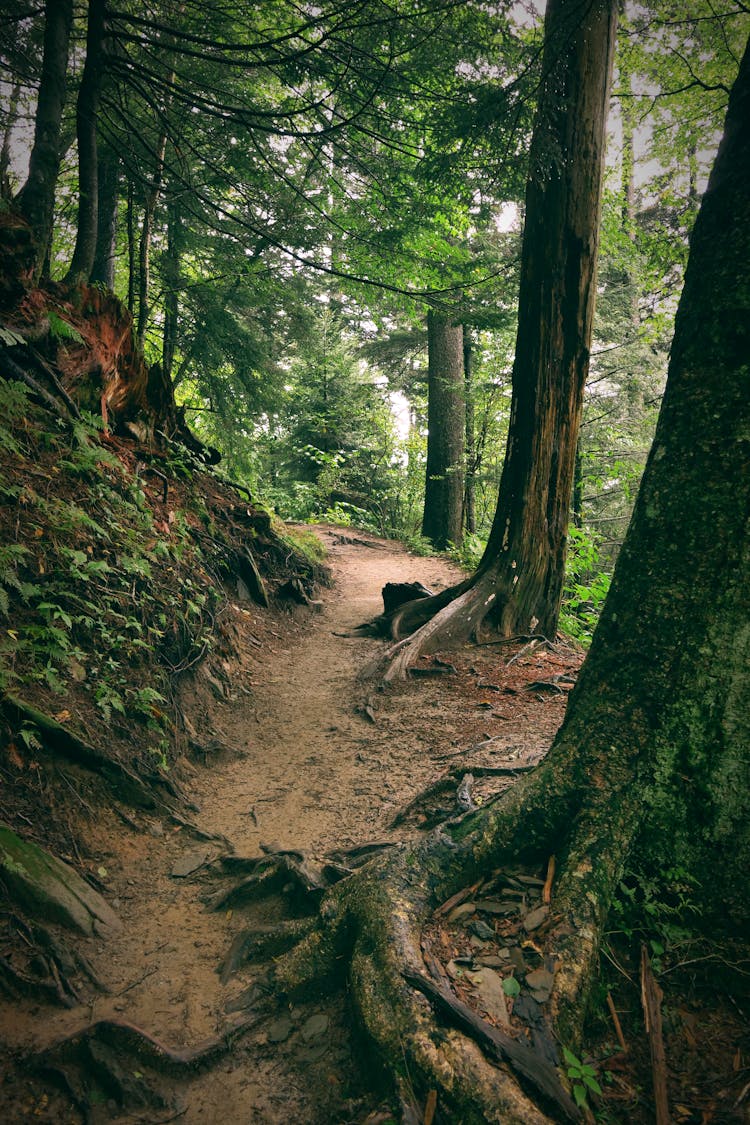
<point x="62" y="716"/>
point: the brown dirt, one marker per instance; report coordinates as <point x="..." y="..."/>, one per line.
<point x="304" y="767"/>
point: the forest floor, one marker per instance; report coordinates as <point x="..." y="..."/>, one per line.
<point x="305" y="757"/>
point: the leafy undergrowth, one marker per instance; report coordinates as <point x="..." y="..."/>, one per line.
<point x="117" y="565"/>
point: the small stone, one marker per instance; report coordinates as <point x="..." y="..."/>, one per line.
<point x="465" y="910"/>
<point x="454" y="971"/>
<point x="482" y="930"/>
<point x="280" y="1030"/>
<point x="491" y="995"/>
<point x="491" y="961"/>
<point x="530" y="880"/>
<point x="314" y="1027"/>
<point x="501" y="907"/>
<point x="189" y="863"/>
<point x="534" y="920"/>
<point x="516" y="959"/>
<point x="540" y="979"/>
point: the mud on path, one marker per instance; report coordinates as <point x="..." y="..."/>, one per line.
<point x="304" y="766"/>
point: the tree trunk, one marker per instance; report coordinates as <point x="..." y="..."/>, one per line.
<point x="10" y="122"/>
<point x="651" y="763"/>
<point x="470" y="513"/>
<point x="149" y="210"/>
<point x="103" y="271"/>
<point x="36" y="199"/>
<point x="444" y="484"/>
<point x="130" y="227"/>
<point x="518" y="585"/>
<point x="171" y="283"/>
<point x="87" y="112"/>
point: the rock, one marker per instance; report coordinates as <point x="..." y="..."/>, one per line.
<point x="540" y="982"/>
<point x="534" y="919"/>
<point x="497" y="906"/>
<point x="491" y="995"/>
<point x="465" y="910"/>
<point x="491" y="961"/>
<point x="190" y="862"/>
<point x="516" y="959"/>
<point x="48" y="889"/>
<point x="314" y="1027"/>
<point x="482" y="930"/>
<point x="280" y="1030"/>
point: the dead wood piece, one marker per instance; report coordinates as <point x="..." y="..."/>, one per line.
<point x="396" y="594"/>
<point x="294" y="591"/>
<point x="616" y="1023"/>
<point x="547" y="888"/>
<point x="651" y="998"/>
<point x="533" y="1071"/>
<point x="456" y="899"/>
<point x="122" y="780"/>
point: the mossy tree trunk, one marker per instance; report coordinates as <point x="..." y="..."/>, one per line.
<point x="518" y="585"/>
<point x="651" y="763"/>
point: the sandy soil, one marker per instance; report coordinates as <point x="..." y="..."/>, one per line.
<point x="304" y="767"/>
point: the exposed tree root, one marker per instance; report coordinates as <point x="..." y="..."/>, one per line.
<point x="372" y="922"/>
<point x="98" y="1060"/>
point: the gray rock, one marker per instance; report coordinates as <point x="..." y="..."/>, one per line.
<point x="190" y="862"/>
<point x="315" y="1026"/>
<point x="489" y="986"/>
<point x="50" y="890"/>
<point x="280" y="1030"/>
<point x="482" y="930"/>
<point x="534" y="920"/>
<point x="465" y="910"/>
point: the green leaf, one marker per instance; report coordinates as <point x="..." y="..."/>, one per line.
<point x="511" y="987"/>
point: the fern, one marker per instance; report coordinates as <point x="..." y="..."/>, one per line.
<point x="61" y="330"/>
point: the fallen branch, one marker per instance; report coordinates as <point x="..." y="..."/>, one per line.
<point x="651" y="998"/>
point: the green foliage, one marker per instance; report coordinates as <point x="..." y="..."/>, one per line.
<point x="657" y="909"/>
<point x="101" y="599"/>
<point x="62" y="330"/>
<point x="582" y="1076"/>
<point x="586" y="585"/>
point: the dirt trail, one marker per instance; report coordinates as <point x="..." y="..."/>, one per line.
<point x="308" y="769"/>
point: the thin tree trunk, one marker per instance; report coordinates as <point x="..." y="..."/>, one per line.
<point x="130" y="225"/>
<point x="470" y="516"/>
<point x="103" y="270"/>
<point x="171" y="281"/>
<point x="87" y="112"/>
<point x="445" y="432"/>
<point x="36" y="199"/>
<point x="5" y="190"/>
<point x="144" y="260"/>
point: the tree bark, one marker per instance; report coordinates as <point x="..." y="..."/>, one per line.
<point x="149" y="210"/>
<point x="87" y="111"/>
<point x="36" y="199"/>
<point x="171" y="283"/>
<point x="103" y="270"/>
<point x="518" y="585"/>
<point x="470" y="513"/>
<point x="12" y="117"/>
<point x="444" y="484"/>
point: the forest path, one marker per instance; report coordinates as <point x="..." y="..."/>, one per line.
<point x="316" y="772"/>
<point x="306" y="768"/>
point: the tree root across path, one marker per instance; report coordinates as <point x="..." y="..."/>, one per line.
<point x="373" y="922"/>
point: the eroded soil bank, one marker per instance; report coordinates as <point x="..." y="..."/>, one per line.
<point x="300" y="755"/>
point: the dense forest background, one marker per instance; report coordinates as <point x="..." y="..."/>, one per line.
<point x="282" y="197"/>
